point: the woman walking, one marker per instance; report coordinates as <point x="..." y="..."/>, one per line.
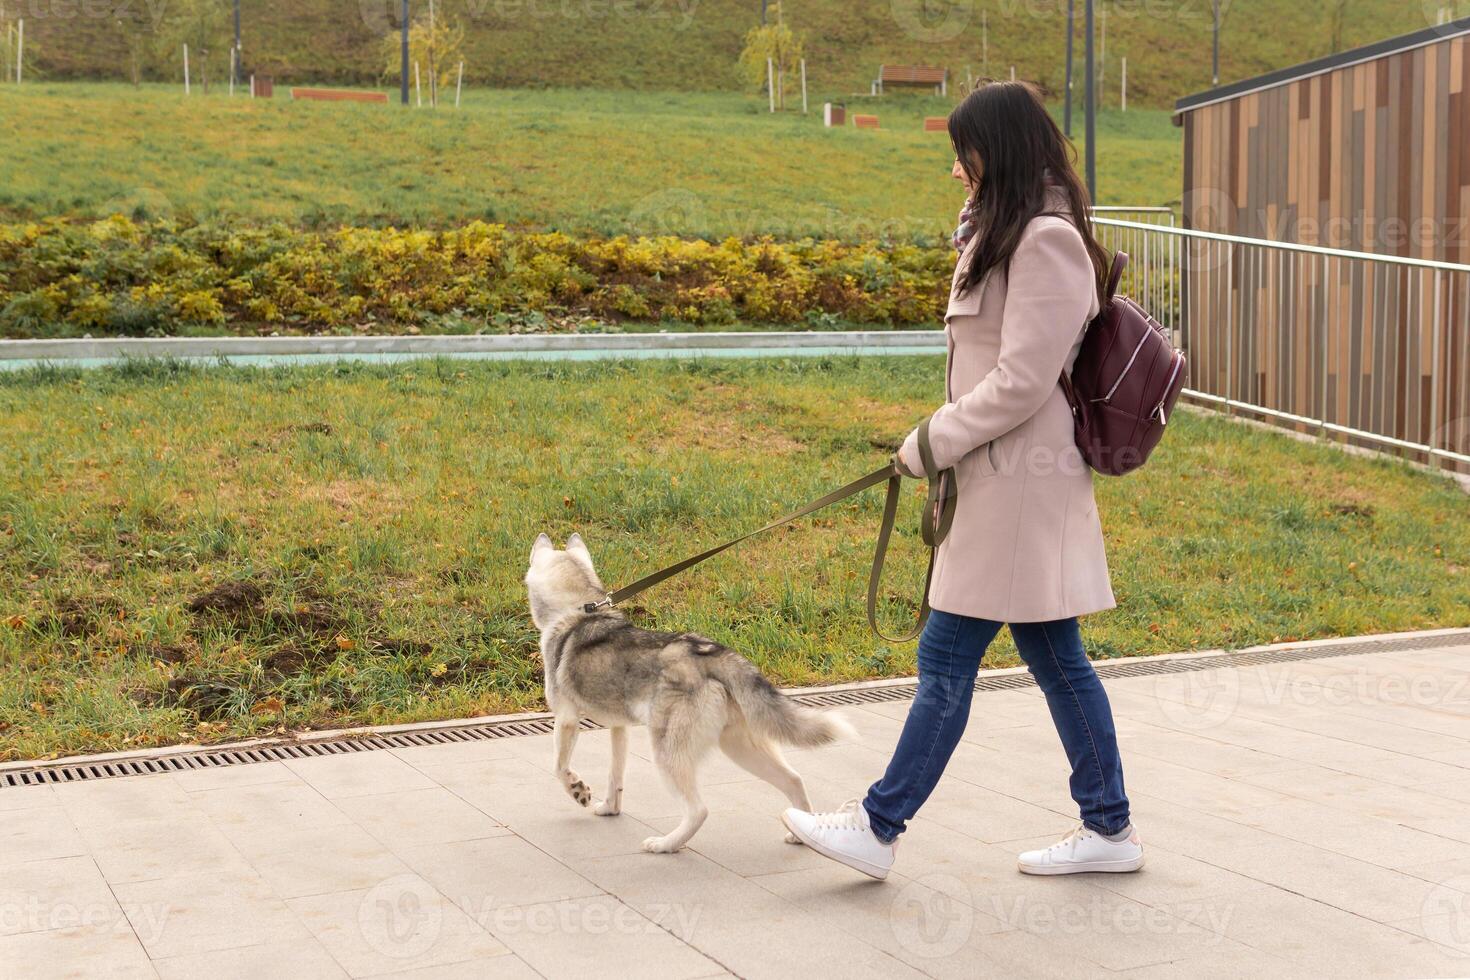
<point x="1026" y="547"/>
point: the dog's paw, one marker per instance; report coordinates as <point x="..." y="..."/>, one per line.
<point x="660" y="845"/>
<point x="607" y="808"/>
<point x="792" y="838"/>
<point x="580" y="792"/>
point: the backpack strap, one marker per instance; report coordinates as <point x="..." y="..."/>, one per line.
<point x="1115" y="277"/>
<point x="1115" y="274"/>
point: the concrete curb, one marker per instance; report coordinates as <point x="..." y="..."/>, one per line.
<point x="327" y="735"/>
<point x="211" y="347"/>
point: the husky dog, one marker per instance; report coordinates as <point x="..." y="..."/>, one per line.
<point x="691" y="692"/>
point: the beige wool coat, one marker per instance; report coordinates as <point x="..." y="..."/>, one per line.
<point x="1026" y="544"/>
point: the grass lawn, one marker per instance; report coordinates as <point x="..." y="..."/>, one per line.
<point x="707" y="165"/>
<point x="192" y="553"/>
<point x="694" y="44"/>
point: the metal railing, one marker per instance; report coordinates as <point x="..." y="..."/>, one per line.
<point x="1370" y="349"/>
<point x="1145" y="215"/>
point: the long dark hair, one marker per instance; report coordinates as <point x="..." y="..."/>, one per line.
<point x="1006" y="125"/>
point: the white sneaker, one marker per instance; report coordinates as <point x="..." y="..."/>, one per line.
<point x="1084" y="850"/>
<point x="844" y="836"/>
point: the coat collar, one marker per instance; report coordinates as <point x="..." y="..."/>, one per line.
<point x="1054" y="198"/>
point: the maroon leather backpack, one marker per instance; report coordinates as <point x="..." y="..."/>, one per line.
<point x="1124" y="383"/>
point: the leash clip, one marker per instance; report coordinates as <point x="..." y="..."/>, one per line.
<point x="592" y="607"/>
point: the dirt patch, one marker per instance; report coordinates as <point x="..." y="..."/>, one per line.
<point x="289" y="661"/>
<point x="243" y="602"/>
<point x="206" y="698"/>
<point x="169" y="653"/>
<point x="313" y="617"/>
<point x="78" y="616"/>
<point x="403" y="647"/>
<point x="235" y="600"/>
<point x="320" y="428"/>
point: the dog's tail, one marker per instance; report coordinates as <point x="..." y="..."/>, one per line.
<point x="771" y="715"/>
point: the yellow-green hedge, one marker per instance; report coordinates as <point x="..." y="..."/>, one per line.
<point x="118" y="277"/>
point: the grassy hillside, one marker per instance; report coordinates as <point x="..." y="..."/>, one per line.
<point x="707" y="165"/>
<point x="692" y="44"/>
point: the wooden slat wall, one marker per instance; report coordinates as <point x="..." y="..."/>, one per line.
<point x="1372" y="157"/>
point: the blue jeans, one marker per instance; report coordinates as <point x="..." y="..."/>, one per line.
<point x="950" y="649"/>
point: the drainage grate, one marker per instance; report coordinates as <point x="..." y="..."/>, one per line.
<point x="216" y="758"/>
<point x="44" y="774"/>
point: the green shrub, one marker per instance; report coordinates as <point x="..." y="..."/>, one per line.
<point x="122" y="277"/>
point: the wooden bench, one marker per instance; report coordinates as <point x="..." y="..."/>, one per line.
<point x="921" y="75"/>
<point x="338" y="95"/>
<point x="864" y="122"/>
<point x="936" y="124"/>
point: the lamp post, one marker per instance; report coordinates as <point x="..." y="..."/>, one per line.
<point x="1090" y="109"/>
<point x="1215" y="70"/>
<point x="403" y="66"/>
<point x="235" y="61"/>
<point x="1067" y="94"/>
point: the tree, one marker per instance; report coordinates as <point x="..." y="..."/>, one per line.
<point x="1338" y="14"/>
<point x="776" y="42"/>
<point x="204" y="25"/>
<point x="137" y="38"/>
<point x="434" y="43"/>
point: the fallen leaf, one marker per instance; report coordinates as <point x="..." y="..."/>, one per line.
<point x="270" y="706"/>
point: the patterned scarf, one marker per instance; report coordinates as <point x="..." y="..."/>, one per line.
<point x="966" y="229"/>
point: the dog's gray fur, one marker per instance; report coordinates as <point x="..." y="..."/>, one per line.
<point x="691" y="692"/>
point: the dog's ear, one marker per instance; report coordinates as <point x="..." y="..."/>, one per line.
<point x="542" y="541"/>
<point x="577" y="548"/>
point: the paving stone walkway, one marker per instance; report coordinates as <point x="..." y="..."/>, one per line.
<point x="1305" y="819"/>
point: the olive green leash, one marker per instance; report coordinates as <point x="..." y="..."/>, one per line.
<point x="933" y="528"/>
